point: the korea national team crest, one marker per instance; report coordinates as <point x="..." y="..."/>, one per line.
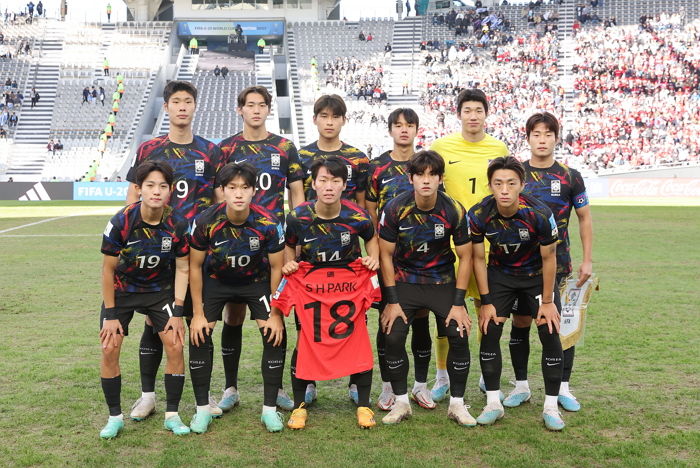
<point x="199" y="166"/>
<point x="524" y="234"/>
<point x="254" y="243"/>
<point x="439" y="231"/>
<point x="275" y="160"/>
<point x="349" y="171"/>
<point x="555" y="188"/>
<point x="166" y="244"/>
<point x="345" y="238"/>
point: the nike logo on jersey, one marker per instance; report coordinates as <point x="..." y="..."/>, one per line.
<point x="216" y="244"/>
<point x="386" y="181"/>
<point x="453" y="162"/>
<point x="133" y="242"/>
<point x="238" y="161"/>
<point x="310" y="240"/>
<point x="492" y="233"/>
<point x="405" y="228"/>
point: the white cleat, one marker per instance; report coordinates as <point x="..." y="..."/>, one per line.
<point x="492" y="412"/>
<point x="459" y="412"/>
<point x="214" y="409"/>
<point x="386" y="400"/>
<point x="142" y="408"/>
<point x="424" y="398"/>
<point x="398" y="413"/>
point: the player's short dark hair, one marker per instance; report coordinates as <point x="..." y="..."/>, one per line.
<point x="408" y="114"/>
<point x="261" y="90"/>
<point x="174" y="86"/>
<point x="232" y="170"/>
<point x="333" y="164"/>
<point x="426" y="159"/>
<point x="473" y="94"/>
<point x="506" y="162"/>
<point x="333" y="102"/>
<point x="545" y="118"/>
<point x="147" y="167"/>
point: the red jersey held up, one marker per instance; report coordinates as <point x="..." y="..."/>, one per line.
<point x="331" y="304"/>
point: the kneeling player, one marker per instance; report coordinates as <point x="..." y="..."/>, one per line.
<point x="328" y="232"/>
<point x="418" y="270"/>
<point x="241" y="246"/>
<point x="522" y="263"/>
<point x="144" y="269"/>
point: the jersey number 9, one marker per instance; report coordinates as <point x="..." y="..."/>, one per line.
<point x="181" y="188"/>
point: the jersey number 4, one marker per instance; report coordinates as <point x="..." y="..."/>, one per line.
<point x="334" y="311"/>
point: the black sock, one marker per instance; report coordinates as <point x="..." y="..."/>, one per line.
<point x="490" y="356"/>
<point x="231" y="341"/>
<point x="174" y="383"/>
<point x="112" y="389"/>
<point x="363" y="380"/>
<point x="150" y="355"/>
<point x="272" y="368"/>
<point x="397" y="358"/>
<point x="568" y="363"/>
<point x="298" y="385"/>
<point x="200" y="369"/>
<point x="552" y="357"/>
<point x="519" y="351"/>
<point x="458" y="362"/>
<point x="421" y="345"/>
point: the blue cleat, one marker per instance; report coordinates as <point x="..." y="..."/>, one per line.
<point x="200" y="422"/>
<point x="440" y="390"/>
<point x="552" y="419"/>
<point x="491" y="413"/>
<point x="517" y="397"/>
<point x="229" y="400"/>
<point x="176" y="426"/>
<point x="353" y="394"/>
<point x="283" y="401"/>
<point x="272" y="421"/>
<point x="114" y="426"/>
<point x="482" y="387"/>
<point x="569" y="403"/>
<point x="311" y="394"/>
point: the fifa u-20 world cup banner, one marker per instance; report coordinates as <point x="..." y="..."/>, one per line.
<point x="574" y="304"/>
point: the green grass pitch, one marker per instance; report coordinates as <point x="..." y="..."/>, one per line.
<point x="637" y="375"/>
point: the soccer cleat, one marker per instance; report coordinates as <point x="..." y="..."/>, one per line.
<point x="491" y="413"/>
<point x="424" y="398"/>
<point x="569" y="402"/>
<point x="440" y="390"/>
<point x="552" y="419"/>
<point x="142" y="408"/>
<point x="398" y="413"/>
<point x="311" y="394"/>
<point x="113" y="427"/>
<point x="517" y="397"/>
<point x="459" y="412"/>
<point x="482" y="387"/>
<point x="283" y="401"/>
<point x="297" y="420"/>
<point x="353" y="394"/>
<point x="365" y="417"/>
<point x="200" y="422"/>
<point x="176" y="426"/>
<point x="229" y="399"/>
<point x="272" y="421"/>
<point x="214" y="409"/>
<point x="386" y="400"/>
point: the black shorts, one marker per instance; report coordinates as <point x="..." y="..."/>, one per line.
<point x="435" y="297"/>
<point x="217" y="294"/>
<point x="505" y="290"/>
<point x="158" y="306"/>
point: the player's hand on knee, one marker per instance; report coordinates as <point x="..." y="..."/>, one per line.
<point x="549" y="314"/>
<point x="390" y="314"/>
<point x="584" y="272"/>
<point x="274" y="330"/>
<point x="176" y="327"/>
<point x="459" y="314"/>
<point x="108" y="333"/>
<point x="290" y="267"/>
<point x="487" y="312"/>
<point x="371" y="263"/>
<point x="198" y="328"/>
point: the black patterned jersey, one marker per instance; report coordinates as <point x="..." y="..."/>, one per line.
<point x="355" y="160"/>
<point x="276" y="160"/>
<point x="237" y="254"/>
<point x="423" y="253"/>
<point x="561" y="189"/>
<point x="332" y="241"/>
<point x="194" y="167"/>
<point x="146" y="252"/>
<point x="516" y="240"/>
<point x="386" y="179"/>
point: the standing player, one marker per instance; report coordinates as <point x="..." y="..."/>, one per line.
<point x="144" y="270"/>
<point x="522" y="262"/>
<point x="241" y="247"/>
<point x="329" y="117"/>
<point x="387" y="178"/>
<point x="419" y="272"/>
<point x="327" y="232"/>
<point x="194" y="161"/>
<point x="467" y="155"/>
<point x="276" y="162"/>
<point x="561" y="189"/>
